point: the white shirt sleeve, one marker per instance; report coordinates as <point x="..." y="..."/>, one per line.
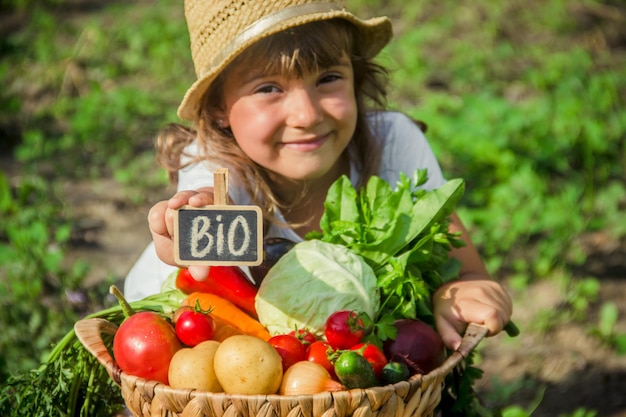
<point x="197" y="175"/>
<point x="147" y="275"/>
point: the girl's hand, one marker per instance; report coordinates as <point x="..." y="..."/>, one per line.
<point x="161" y="224"/>
<point x="480" y="301"/>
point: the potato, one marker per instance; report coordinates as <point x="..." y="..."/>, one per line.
<point x="248" y="365"/>
<point x="193" y="368"/>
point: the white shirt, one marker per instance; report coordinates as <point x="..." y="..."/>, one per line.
<point x="404" y="150"/>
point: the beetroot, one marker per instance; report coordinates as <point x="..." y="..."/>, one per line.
<point x="417" y="344"/>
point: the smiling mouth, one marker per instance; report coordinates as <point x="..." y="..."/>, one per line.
<point x="307" y="144"/>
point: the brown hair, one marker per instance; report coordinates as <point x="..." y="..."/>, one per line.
<point x="292" y="52"/>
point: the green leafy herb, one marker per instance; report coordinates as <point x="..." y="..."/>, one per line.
<point x="71" y="382"/>
<point x="459" y="398"/>
<point x="401" y="233"/>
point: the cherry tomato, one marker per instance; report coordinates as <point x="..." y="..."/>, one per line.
<point x="144" y="345"/>
<point x="304" y="336"/>
<point x="194" y="326"/>
<point x="374" y="356"/>
<point x="320" y="352"/>
<point x="344" y="329"/>
<point x="290" y="349"/>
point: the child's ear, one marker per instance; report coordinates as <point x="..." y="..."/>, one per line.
<point x="221" y="119"/>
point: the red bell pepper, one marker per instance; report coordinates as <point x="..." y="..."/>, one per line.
<point x="229" y="282"/>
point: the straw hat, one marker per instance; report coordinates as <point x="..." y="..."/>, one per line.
<point x="219" y="30"/>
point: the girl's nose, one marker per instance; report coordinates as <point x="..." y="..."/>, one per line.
<point x="303" y="108"/>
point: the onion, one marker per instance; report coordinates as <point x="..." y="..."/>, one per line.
<point x="417" y="344"/>
<point x="306" y="377"/>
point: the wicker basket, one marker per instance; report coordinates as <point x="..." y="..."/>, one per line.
<point x="417" y="397"/>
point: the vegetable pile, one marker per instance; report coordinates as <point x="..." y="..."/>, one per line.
<point x="381" y="251"/>
<point x="343" y="309"/>
<point x="246" y="360"/>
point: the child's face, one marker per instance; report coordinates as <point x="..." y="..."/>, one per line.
<point x="295" y="127"/>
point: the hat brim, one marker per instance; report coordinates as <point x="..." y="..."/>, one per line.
<point x="374" y="34"/>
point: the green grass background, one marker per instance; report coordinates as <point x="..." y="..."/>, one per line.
<point x="525" y="100"/>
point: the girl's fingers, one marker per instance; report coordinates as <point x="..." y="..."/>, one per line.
<point x="485" y="296"/>
<point x="180" y="199"/>
<point x="156" y="218"/>
<point x="164" y="246"/>
<point x="202" y="197"/>
<point x="495" y="302"/>
<point x="490" y="317"/>
<point x="450" y="335"/>
<point x="161" y="215"/>
<point x="502" y="298"/>
<point x="161" y="223"/>
<point x="157" y="223"/>
<point x="199" y="272"/>
<point x="459" y="303"/>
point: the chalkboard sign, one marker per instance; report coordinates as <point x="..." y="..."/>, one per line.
<point x="218" y="235"/>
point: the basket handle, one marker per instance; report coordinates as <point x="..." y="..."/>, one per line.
<point x="89" y="333"/>
<point x="472" y="337"/>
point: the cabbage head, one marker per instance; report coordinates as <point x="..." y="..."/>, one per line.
<point x="312" y="281"/>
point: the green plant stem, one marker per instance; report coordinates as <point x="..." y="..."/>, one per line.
<point x="126" y="308"/>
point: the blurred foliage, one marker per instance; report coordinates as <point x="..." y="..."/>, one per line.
<point x="531" y="111"/>
<point x="78" y="102"/>
<point x="34" y="283"/>
<point x="91" y="104"/>
<point x="525" y="100"/>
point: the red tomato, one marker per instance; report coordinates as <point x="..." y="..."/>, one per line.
<point x="374" y="356"/>
<point x="144" y="345"/>
<point x="305" y="337"/>
<point x="290" y="349"/>
<point x="320" y="352"/>
<point x="344" y="329"/>
<point x="194" y="326"/>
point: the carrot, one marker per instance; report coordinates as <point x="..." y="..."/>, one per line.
<point x="228" y="312"/>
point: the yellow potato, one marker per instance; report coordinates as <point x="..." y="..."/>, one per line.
<point x="193" y="368"/>
<point x="248" y="365"/>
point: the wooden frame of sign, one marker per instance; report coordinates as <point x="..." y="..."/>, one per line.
<point x="218" y="234"/>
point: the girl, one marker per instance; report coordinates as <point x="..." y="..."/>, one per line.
<point x="288" y="98"/>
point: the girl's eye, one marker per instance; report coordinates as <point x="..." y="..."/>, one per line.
<point x="266" y="89"/>
<point x="330" y="77"/>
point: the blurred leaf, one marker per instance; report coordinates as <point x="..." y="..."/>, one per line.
<point x="515" y="411"/>
<point x="608" y="318"/>
<point x="620" y="344"/>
